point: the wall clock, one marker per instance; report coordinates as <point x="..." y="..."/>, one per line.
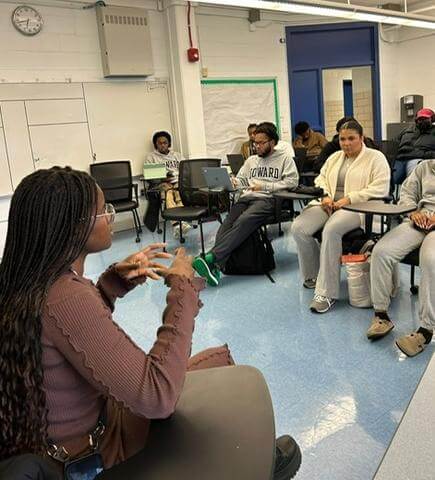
<point x="27" y="20"/>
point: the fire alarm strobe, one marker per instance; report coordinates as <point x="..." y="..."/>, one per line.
<point x="193" y="54"/>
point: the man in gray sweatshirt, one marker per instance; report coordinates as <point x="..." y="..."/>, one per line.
<point x="263" y="174"/>
<point x="418" y="230"/>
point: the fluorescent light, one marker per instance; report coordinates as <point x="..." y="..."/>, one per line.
<point x="331" y="9"/>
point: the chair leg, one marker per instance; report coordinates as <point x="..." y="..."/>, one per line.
<point x="280" y="232"/>
<point x="164" y="234"/>
<point x="136" y="226"/>
<point x="202" y="237"/>
<point x="138" y="220"/>
<point x="414" y="287"/>
<point x="182" y="239"/>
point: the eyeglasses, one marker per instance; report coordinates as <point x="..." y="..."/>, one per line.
<point x="261" y="143"/>
<point x="109" y="212"/>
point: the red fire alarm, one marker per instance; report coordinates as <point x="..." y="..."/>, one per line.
<point x="193" y="54"/>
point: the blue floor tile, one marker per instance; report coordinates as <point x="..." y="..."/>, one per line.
<point x="338" y="394"/>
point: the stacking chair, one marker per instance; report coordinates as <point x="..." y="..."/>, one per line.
<point x="115" y="179"/>
<point x="197" y="203"/>
<point x="390" y="148"/>
<point x="236" y="162"/>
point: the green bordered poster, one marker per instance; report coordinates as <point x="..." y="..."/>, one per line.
<point x="230" y="105"/>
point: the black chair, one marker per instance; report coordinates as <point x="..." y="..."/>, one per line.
<point x="236" y="161"/>
<point x="115" y="179"/>
<point x="390" y="148"/>
<point x="197" y="203"/>
<point x="413" y="260"/>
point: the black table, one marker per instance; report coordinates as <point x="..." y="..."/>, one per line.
<point x="223" y="428"/>
<point x="292" y="196"/>
<point x="377" y="207"/>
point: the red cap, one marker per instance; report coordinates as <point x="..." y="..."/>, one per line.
<point x="425" y="113"/>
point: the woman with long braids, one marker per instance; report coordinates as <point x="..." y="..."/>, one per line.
<point x="65" y="365"/>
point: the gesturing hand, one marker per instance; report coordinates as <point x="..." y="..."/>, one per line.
<point x="181" y="265"/>
<point x="141" y="264"/>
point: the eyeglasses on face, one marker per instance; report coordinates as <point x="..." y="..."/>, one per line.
<point x="261" y="143"/>
<point x="109" y="212"/>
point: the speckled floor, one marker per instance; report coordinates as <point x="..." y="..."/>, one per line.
<point x="339" y="395"/>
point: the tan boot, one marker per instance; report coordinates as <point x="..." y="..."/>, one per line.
<point x="379" y="328"/>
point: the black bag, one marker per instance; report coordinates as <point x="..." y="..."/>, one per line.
<point x="254" y="256"/>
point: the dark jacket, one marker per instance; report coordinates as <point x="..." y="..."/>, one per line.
<point x="332" y="147"/>
<point x="415" y="144"/>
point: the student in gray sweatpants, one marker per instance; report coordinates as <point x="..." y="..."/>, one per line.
<point x="418" y="230"/>
<point x="270" y="170"/>
<point x="353" y="174"/>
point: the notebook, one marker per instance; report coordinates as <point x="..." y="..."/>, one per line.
<point x="154" y="171"/>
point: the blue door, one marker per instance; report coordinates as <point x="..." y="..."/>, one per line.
<point x="348" y="98"/>
<point x="313" y="48"/>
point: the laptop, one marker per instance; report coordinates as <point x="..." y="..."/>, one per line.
<point x="218" y="178"/>
<point x="154" y="171"/>
<point x="236" y="161"/>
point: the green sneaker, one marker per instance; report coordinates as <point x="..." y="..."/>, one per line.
<point x="209" y="272"/>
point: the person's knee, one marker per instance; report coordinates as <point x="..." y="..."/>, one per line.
<point x="298" y="228"/>
<point x="381" y="252"/>
<point x="427" y="259"/>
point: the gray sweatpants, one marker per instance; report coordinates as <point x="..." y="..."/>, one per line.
<point x="394" y="246"/>
<point x="246" y="216"/>
<point x="322" y="261"/>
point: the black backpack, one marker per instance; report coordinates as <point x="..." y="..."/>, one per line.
<point x="254" y="256"/>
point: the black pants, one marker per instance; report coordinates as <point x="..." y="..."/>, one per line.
<point x="245" y="217"/>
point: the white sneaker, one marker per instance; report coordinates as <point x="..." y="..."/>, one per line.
<point x="176" y="230"/>
<point x="185" y="227"/>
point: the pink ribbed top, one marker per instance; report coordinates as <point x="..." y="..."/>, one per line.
<point x="87" y="356"/>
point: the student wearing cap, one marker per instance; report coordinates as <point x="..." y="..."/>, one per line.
<point x="416" y="143"/>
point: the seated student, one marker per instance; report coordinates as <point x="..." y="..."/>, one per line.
<point x="418" y="230"/>
<point x="248" y="147"/>
<point x="354" y="174"/>
<point x="266" y="172"/>
<point x="64" y="361"/>
<point x="416" y="143"/>
<point x="334" y="145"/>
<point x="169" y="188"/>
<point x="312" y="141"/>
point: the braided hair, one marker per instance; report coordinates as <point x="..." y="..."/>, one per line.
<point x="50" y="219"/>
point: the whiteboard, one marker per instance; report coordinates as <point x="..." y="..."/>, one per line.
<point x="230" y="106"/>
<point x="122" y="118"/>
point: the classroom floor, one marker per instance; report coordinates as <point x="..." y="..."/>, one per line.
<point x="338" y="394"/>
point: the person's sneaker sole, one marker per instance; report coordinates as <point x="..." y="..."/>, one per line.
<point x="292" y="468"/>
<point x="202" y="268"/>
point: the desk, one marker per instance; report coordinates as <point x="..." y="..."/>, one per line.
<point x="223" y="428"/>
<point x="289" y="195"/>
<point x="377" y="207"/>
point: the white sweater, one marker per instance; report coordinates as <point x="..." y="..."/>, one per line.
<point x="368" y="176"/>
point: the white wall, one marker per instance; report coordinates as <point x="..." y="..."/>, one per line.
<point x="229" y="49"/>
<point x="67" y="49"/>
